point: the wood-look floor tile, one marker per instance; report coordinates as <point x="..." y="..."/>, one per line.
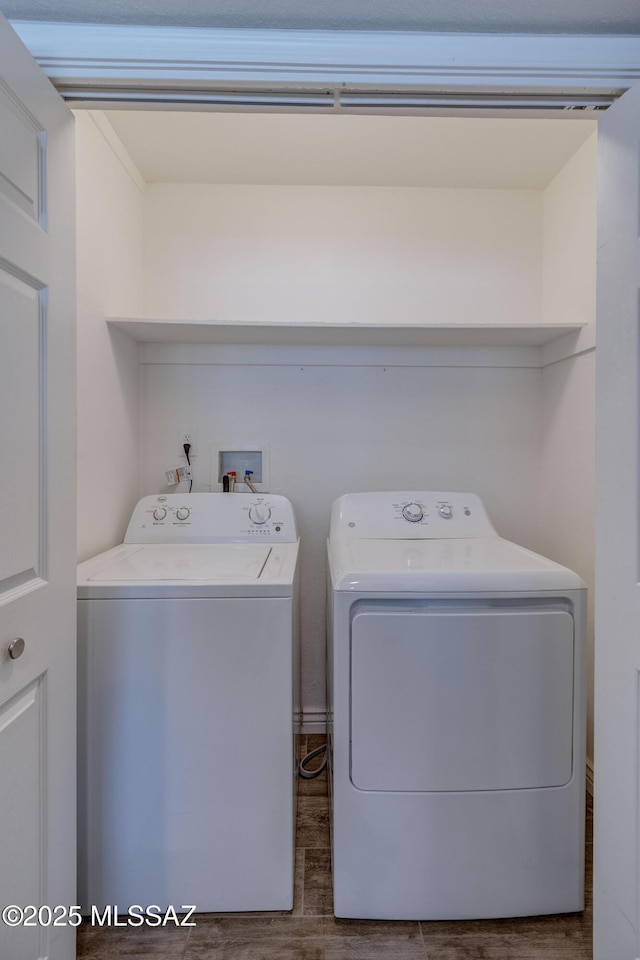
<point x="505" y="948"/>
<point x="318" y="892"/>
<point x="313" y="822"/>
<point x="317" y="787"/>
<point x="262" y="926"/>
<point x="131" y="943"/>
<point x="532" y="929"/>
<point x="285" y="949"/>
<point x="588" y="905"/>
<point x="372" y="939"/>
<point x="588" y="856"/>
<point x="298" y="882"/>
<point x="256" y="938"/>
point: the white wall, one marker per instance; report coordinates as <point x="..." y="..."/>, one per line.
<point x="333" y="429"/>
<point x="369" y="254"/>
<point x="380" y="254"/>
<point x="109" y="271"/>
<point x="567" y="461"/>
<point x="334" y="423"/>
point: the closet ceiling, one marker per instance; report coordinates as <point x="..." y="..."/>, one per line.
<point x="347" y="150"/>
<point x="488" y="16"/>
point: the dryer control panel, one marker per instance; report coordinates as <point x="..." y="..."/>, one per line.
<point x="410" y="515"/>
<point x="212" y="518"/>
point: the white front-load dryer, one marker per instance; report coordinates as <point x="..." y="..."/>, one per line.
<point x="456" y="715"/>
<point x="187" y="636"/>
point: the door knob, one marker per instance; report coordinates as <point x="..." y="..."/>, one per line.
<point x="16" y="648"/>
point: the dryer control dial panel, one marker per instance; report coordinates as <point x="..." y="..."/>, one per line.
<point x="409" y="515"/>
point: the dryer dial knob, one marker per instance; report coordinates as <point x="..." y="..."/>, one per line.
<point x="259" y="513"/>
<point x="159" y="513"/>
<point x="412" y="512"/>
<point x="445" y="511"/>
<point x="182" y="513"/>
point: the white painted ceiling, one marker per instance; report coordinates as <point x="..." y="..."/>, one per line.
<point x="345" y="150"/>
<point x="490" y="16"/>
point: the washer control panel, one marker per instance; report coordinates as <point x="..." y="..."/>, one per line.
<point x="212" y="518"/>
<point x="410" y="515"/>
<point x="413" y="512"/>
<point x="259" y="513"/>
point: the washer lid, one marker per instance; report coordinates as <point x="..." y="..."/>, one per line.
<point x="485" y="564"/>
<point x="189" y="561"/>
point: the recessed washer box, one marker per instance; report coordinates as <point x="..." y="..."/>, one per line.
<point x="229" y="456"/>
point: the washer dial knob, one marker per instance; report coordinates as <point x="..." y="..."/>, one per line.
<point x="259" y="513"/>
<point x="182" y="513"/>
<point x="159" y="513"/>
<point x="446" y="511"/>
<point x="412" y="512"/>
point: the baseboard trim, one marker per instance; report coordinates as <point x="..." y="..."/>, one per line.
<point x="311" y="721"/>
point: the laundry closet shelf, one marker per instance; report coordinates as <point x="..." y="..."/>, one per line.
<point x="148" y="330"/>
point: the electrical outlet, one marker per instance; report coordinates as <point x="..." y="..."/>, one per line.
<point x="188" y="435"/>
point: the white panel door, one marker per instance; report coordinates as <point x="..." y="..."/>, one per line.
<point x="617" y="662"/>
<point x="37" y="505"/>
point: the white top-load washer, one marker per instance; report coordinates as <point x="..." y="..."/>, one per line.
<point x="188" y="636"/>
<point x="457" y="714"/>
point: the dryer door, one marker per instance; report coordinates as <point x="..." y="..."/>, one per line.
<point x="461" y="697"/>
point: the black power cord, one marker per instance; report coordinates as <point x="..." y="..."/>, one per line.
<point x="312" y="774"/>
<point x="186" y="447"/>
